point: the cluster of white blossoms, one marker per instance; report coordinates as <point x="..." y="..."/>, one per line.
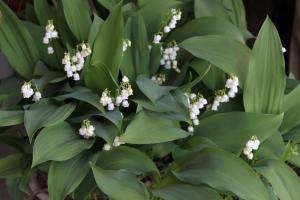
<point x="50" y="34"/>
<point x="87" y="129"/>
<point x="126" y="44"/>
<point x="169" y="55"/>
<point x="222" y="96"/>
<point x="232" y="84"/>
<point x="174" y="17"/>
<point x="117" y="142"/>
<point x="196" y="103"/>
<point x="28" y="92"/>
<point x="122" y="97"/>
<point x="159" y="78"/>
<point x="252" y="144"/>
<point x="74" y="62"/>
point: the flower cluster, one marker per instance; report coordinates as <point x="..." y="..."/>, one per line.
<point x="117" y="142"/>
<point x="87" y="130"/>
<point x="252" y="144"/>
<point x="196" y="103"/>
<point x="74" y="62"/>
<point x="126" y="44"/>
<point x="232" y="84"/>
<point x="51" y="33"/>
<point x="159" y="78"/>
<point x="28" y="92"/>
<point x="174" y="17"/>
<point x="123" y="94"/>
<point x="169" y="55"/>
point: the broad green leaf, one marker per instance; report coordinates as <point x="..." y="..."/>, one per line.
<point x="11" y="117"/>
<point x="64" y="177"/>
<point x="16" y="43"/>
<point x="12" y="165"/>
<point x="45" y="114"/>
<point x="204" y="8"/>
<point x="155" y="15"/>
<point x="152" y="90"/>
<point x="273" y="147"/>
<point x="58" y="143"/>
<point x="44" y="12"/>
<point x="87" y="185"/>
<point x="127" y="158"/>
<point x="291" y="109"/>
<point x="282" y="178"/>
<point x="79" y="25"/>
<point x="148" y="128"/>
<point x="30" y="13"/>
<point x="265" y="84"/>
<point x="120" y="185"/>
<point x="95" y="27"/>
<point x="107" y="52"/>
<point x="206" y="26"/>
<point x="226" y="53"/>
<point x="181" y="191"/>
<point x="220" y="127"/>
<point x="136" y="58"/>
<point x="220" y="170"/>
<point x="109" y="4"/>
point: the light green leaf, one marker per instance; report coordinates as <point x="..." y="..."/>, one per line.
<point x="79" y="25"/>
<point x="291" y="109"/>
<point x="64" y="177"/>
<point x="152" y="90"/>
<point x="226" y="53"/>
<point x="219" y="128"/>
<point x="204" y="8"/>
<point x="282" y="178"/>
<point x="127" y="158"/>
<point x="11" y="117"/>
<point x="220" y="170"/>
<point x="60" y="142"/>
<point x="107" y="53"/>
<point x="265" y="84"/>
<point x="45" y="114"/>
<point x="120" y="185"/>
<point x="109" y="4"/>
<point x="44" y="12"/>
<point x="206" y="26"/>
<point x="95" y="27"/>
<point x="148" y="128"/>
<point x="16" y="43"/>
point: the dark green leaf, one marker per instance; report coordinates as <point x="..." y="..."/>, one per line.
<point x="204" y="8"/>
<point x="43" y="11"/>
<point x="12" y="165"/>
<point x="11" y="117"/>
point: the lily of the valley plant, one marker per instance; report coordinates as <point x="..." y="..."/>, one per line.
<point x="146" y="99"/>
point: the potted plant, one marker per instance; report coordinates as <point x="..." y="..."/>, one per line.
<point x="146" y="99"/>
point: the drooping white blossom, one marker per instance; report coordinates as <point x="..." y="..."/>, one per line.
<point x="232" y="84"/>
<point x="169" y="55"/>
<point x="117" y="142"/>
<point x="126" y="44"/>
<point x="252" y="144"/>
<point x="87" y="129"/>
<point x="159" y="78"/>
<point x="50" y="34"/>
<point x="27" y="90"/>
<point x="37" y="96"/>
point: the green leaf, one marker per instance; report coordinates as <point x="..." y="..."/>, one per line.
<point x="265" y="84"/>
<point x="79" y="25"/>
<point x="220" y="170"/>
<point x="120" y="185"/>
<point x="109" y="4"/>
<point x="11" y="117"/>
<point x="282" y="178"/>
<point x="16" y="43"/>
<point x="206" y="26"/>
<point x="291" y="109"/>
<point x="152" y="90"/>
<point x="204" y="8"/>
<point x="107" y="52"/>
<point x="45" y="114"/>
<point x="95" y="27"/>
<point x="181" y="191"/>
<point x="136" y="58"/>
<point x="219" y="128"/>
<point x="226" y="53"/>
<point x="148" y="128"/>
<point x="44" y="12"/>
<point x="127" y="158"/>
<point x="12" y="165"/>
<point x="155" y="15"/>
<point x="64" y="177"/>
<point x="62" y="142"/>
